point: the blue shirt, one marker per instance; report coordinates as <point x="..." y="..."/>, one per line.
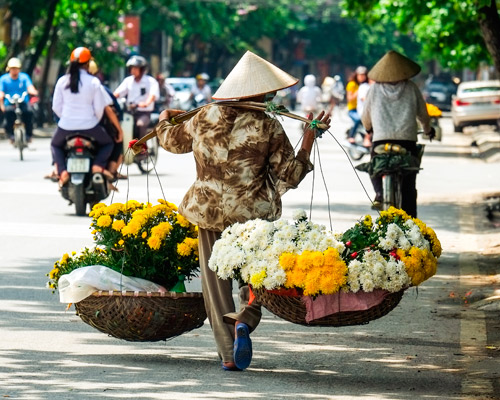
<point x="15" y="86"/>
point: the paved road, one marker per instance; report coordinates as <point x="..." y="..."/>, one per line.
<point x="433" y="345"/>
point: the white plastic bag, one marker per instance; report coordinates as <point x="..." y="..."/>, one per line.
<point x="82" y="282"/>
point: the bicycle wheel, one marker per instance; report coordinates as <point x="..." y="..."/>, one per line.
<point x="356" y="150"/>
<point x="393" y="196"/>
<point x="388" y="187"/>
<point x="20" y="140"/>
<point x="147" y="163"/>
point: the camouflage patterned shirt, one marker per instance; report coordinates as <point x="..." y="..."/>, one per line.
<point x="244" y="163"/>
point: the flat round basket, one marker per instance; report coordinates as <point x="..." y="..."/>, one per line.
<point x="293" y="309"/>
<point x="142" y="316"/>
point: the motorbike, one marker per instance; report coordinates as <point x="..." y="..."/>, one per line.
<point x="144" y="161"/>
<point x="199" y="100"/>
<point x="20" y="141"/>
<point x="83" y="187"/>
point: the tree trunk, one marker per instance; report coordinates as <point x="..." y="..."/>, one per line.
<point x="42" y="42"/>
<point x="489" y="23"/>
<point x="46" y="100"/>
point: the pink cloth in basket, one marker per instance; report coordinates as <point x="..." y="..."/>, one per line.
<point x="328" y="304"/>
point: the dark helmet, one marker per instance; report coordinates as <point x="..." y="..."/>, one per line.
<point x="137" y="61"/>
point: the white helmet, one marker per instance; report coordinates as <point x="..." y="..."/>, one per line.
<point x="14" y="62"/>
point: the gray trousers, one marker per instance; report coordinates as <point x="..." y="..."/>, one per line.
<point x="219" y="303"/>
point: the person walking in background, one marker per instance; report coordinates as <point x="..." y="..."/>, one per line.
<point x="334" y="92"/>
<point x="309" y="95"/>
<point x="360" y="103"/>
<point x="352" y="87"/>
<point x="256" y="154"/>
<point x="392" y="107"/>
<point x="11" y="83"/>
<point x="167" y="93"/>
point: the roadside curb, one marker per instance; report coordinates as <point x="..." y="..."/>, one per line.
<point x="487" y="144"/>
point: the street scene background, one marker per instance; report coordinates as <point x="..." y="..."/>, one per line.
<point x="443" y="339"/>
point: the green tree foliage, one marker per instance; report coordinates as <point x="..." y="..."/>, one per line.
<point x="449" y="31"/>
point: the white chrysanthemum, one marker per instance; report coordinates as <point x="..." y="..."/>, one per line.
<point x="386" y="244"/>
<point x="404" y="243"/>
<point x="302" y="226"/>
<point x="299" y="215"/>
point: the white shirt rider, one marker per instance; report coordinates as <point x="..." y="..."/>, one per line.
<point x="138" y="92"/>
<point x="82" y="110"/>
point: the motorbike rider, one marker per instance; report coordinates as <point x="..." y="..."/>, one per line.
<point x="141" y="91"/>
<point x="391" y="109"/>
<point x="79" y="102"/>
<point x="111" y="123"/>
<point x="309" y="95"/>
<point x="201" y="88"/>
<point x="11" y="83"/>
<point x="352" y="87"/>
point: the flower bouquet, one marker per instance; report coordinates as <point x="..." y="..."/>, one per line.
<point x="150" y="242"/>
<point x="340" y="274"/>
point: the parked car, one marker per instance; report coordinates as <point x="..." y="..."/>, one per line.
<point x="182" y="96"/>
<point x="440" y="93"/>
<point x="476" y="102"/>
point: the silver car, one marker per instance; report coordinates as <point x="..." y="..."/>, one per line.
<point x="476" y="102"/>
<point x="182" y="99"/>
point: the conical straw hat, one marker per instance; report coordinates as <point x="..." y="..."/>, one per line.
<point x="393" y="67"/>
<point x="253" y="76"/>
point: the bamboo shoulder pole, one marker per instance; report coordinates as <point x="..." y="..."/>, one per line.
<point x="247" y="105"/>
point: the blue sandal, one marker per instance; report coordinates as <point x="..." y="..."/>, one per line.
<point x="228" y="368"/>
<point x="242" y="346"/>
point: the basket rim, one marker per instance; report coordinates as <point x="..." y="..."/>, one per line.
<point x="129" y="293"/>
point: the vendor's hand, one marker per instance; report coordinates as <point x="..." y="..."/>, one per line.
<point x="431" y="133"/>
<point x="323" y="117"/>
<point x="169" y="114"/>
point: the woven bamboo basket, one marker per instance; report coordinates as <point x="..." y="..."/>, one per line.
<point x="292" y="309"/>
<point x="142" y="316"/>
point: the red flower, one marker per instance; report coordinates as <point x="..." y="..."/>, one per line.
<point x="348" y="243"/>
<point x="354" y="255"/>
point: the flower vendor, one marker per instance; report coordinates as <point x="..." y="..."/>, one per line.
<point x="391" y="109"/>
<point x="244" y="163"/>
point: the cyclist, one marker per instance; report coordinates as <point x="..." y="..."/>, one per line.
<point x="141" y="91"/>
<point x="79" y="102"/>
<point x="352" y="87"/>
<point x="11" y="83"/>
<point x="391" y="109"/>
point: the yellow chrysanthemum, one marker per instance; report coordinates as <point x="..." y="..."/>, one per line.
<point x="182" y="221"/>
<point x="118" y="225"/>
<point x="367" y="221"/>
<point x="257" y="280"/>
<point x="287" y="260"/>
<point x="154" y="242"/>
<point x="104" y="221"/>
<point x="183" y="249"/>
<point x="161" y="230"/>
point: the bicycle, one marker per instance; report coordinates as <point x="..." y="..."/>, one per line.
<point x="394" y="163"/>
<point x="20" y="141"/>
